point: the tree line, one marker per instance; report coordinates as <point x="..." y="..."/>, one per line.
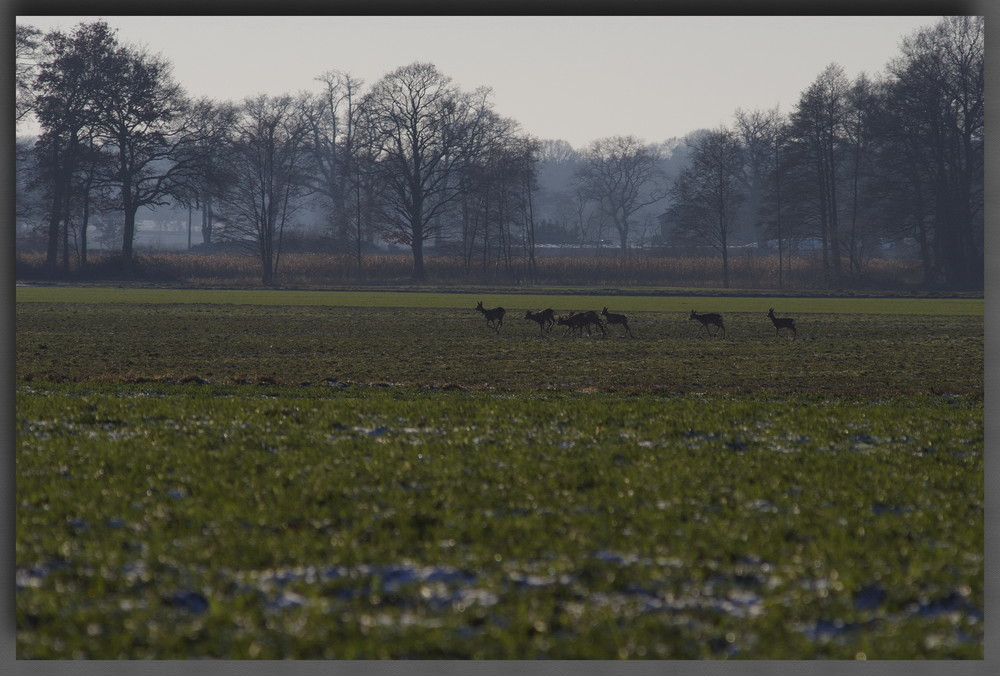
<point x="856" y="161"/>
<point x="416" y="161"/>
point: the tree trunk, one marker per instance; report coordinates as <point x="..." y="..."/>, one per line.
<point x="266" y="247"/>
<point x="128" y="237"/>
<point x="67" y="206"/>
<point x="206" y="219"/>
<point x="55" y="218"/>
<point x="723" y="229"/>
<point x="532" y="266"/>
<point x="948" y="228"/>
<point x="83" y="232"/>
<point x="855" y="263"/>
<point x="52" y="251"/>
<point x="267" y="271"/>
<point x="418" y="257"/>
<point x="777" y="215"/>
<point x="360" y="233"/>
<point x="833" y="223"/>
<point x="823" y="216"/>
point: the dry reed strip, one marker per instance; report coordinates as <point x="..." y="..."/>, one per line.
<point x="322" y="269"/>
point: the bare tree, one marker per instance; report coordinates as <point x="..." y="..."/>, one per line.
<point x="938" y="94"/>
<point x="862" y="108"/>
<point x="622" y="175"/>
<point x="556" y="151"/>
<point x="902" y="185"/>
<point x="125" y="105"/>
<point x="708" y="194"/>
<point x="589" y="223"/>
<point x="776" y="208"/>
<point x="27" y="51"/>
<point x="496" y="183"/>
<point x="424" y="130"/>
<point x="817" y="128"/>
<point x="29" y="202"/>
<point x="269" y="162"/>
<point x="207" y="174"/>
<point x="334" y="121"/>
<point x="757" y="131"/>
<point x="66" y="98"/>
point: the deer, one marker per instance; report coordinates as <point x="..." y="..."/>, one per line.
<point x="494" y="317"/>
<point x="713" y="318"/>
<point x="612" y="318"/>
<point x="545" y="319"/>
<point x="576" y="322"/>
<point x="782" y="323"/>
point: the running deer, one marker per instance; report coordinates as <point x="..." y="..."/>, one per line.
<point x="494" y="317"/>
<point x="782" y="323"/>
<point x="577" y="322"/>
<point x="612" y="318"/>
<point x="713" y="318"/>
<point x="545" y="319"/>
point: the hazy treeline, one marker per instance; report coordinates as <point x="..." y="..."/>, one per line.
<point x="414" y="161"/>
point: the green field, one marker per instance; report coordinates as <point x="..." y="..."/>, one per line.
<point x="358" y="475"/>
<point x="567" y="300"/>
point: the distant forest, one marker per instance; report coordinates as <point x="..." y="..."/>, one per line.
<point x="886" y="162"/>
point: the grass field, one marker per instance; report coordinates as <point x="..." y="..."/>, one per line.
<point x="380" y="475"/>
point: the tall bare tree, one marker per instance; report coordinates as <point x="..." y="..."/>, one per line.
<point x="121" y="103"/>
<point x="817" y="125"/>
<point x="424" y="130"/>
<point x="334" y="120"/>
<point x="757" y="130"/>
<point x="939" y="94"/>
<point x="66" y="99"/>
<point x="495" y="187"/>
<point x="27" y="43"/>
<point x="622" y="175"/>
<point x="708" y="194"/>
<point x="862" y="108"/>
<point x="143" y="123"/>
<point x="207" y="173"/>
<point x="269" y="163"/>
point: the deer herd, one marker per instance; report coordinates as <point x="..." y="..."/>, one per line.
<point x="576" y="322"/>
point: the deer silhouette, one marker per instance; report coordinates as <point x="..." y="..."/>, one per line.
<point x="494" y="317"/>
<point x="713" y="318"/>
<point x="545" y="319"/>
<point x="577" y="322"/>
<point x="782" y="323"/>
<point x="612" y="318"/>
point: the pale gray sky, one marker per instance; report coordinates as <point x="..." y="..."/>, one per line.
<point x="576" y="78"/>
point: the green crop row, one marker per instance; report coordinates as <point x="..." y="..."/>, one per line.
<point x="169" y="521"/>
<point x="637" y="301"/>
